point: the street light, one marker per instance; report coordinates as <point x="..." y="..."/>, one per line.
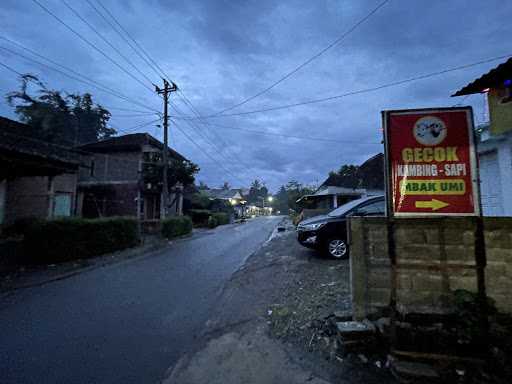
<point x="270" y="198"/>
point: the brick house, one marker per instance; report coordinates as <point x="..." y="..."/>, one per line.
<point x="37" y="179"/>
<point x="113" y="184"/>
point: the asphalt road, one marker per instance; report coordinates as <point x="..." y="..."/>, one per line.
<point x="127" y="322"/>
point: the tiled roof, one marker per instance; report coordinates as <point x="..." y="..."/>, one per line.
<point x="13" y="140"/>
<point x="222" y="193"/>
<point x="370" y="175"/>
<point x="495" y="77"/>
<point x="131" y="142"/>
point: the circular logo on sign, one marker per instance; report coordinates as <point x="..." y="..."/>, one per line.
<point x="429" y="130"/>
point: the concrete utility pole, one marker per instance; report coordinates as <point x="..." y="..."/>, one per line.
<point x="168" y="88"/>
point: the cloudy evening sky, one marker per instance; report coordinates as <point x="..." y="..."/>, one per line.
<point x="222" y="52"/>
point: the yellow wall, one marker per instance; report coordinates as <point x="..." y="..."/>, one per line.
<point x="500" y="114"/>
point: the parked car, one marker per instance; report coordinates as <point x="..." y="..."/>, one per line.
<point x="328" y="233"/>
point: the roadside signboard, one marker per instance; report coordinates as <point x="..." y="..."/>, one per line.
<point x="431" y="165"/>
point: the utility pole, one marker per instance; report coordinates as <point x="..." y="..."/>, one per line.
<point x="168" y="88"/>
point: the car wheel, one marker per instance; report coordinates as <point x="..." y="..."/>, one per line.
<point x="337" y="249"/>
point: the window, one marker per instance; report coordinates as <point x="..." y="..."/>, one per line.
<point x="376" y="208"/>
<point x="62" y="204"/>
<point x="91" y="170"/>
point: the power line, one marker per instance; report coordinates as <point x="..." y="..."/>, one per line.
<point x="330" y="140"/>
<point x="10" y="69"/>
<point x="107" y="41"/>
<point x="312" y="58"/>
<point x="152" y="64"/>
<point x="208" y="141"/>
<point x="217" y="136"/>
<point x="360" y="91"/>
<point x="90" y="44"/>
<point x="206" y="153"/>
<point x="138" y="126"/>
<point x="76" y="75"/>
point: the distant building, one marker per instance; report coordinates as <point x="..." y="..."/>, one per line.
<point x="37" y="179"/>
<point x="234" y="197"/>
<point x="494" y="143"/>
<point x="337" y="190"/>
<point x="113" y="184"/>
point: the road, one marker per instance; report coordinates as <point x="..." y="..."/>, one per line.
<point x="127" y="322"/>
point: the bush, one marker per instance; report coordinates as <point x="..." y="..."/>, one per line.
<point x="19" y="226"/>
<point x="199" y="216"/>
<point x="176" y="226"/>
<point x="74" y="238"/>
<point x="212" y="222"/>
<point x="221" y="217"/>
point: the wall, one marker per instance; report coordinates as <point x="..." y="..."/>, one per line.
<point x="496" y="179"/>
<point x="435" y="257"/>
<point x="500" y="113"/>
<point x="35" y="196"/>
<point x="118" y="167"/>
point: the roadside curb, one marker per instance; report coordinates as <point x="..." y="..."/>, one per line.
<point x="111" y="259"/>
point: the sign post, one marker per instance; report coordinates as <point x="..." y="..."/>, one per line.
<point x="431" y="170"/>
<point x="431" y="162"/>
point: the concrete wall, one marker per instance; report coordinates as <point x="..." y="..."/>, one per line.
<point x="434" y="257"/>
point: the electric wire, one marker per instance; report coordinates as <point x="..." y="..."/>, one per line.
<point x="81" y="37"/>
<point x="360" y="91"/>
<point x="308" y="61"/>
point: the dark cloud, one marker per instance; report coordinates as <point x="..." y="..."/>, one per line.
<point x="220" y="52"/>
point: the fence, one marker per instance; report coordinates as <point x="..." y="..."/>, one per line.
<point x="434" y="257"/>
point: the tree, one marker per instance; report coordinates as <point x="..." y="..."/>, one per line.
<point x="226" y="186"/>
<point x="257" y="192"/>
<point x="68" y="119"/>
<point x="296" y="190"/>
<point x="179" y="172"/>
<point x="280" y="202"/>
<point x="202" y="186"/>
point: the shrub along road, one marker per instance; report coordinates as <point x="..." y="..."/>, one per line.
<point x="126" y="322"/>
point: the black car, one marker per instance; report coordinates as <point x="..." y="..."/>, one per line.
<point x="328" y="233"/>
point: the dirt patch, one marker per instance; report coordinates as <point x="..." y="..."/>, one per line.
<point x="295" y="293"/>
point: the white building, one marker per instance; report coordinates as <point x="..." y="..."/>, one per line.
<point x="495" y="158"/>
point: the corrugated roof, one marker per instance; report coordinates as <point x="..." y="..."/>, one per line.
<point x="491" y="79"/>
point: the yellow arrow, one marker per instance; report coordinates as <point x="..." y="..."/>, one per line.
<point x="432" y="204"/>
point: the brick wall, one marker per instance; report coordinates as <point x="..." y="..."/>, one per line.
<point x="30" y="196"/>
<point x="117" y="167"/>
<point x="434" y="257"/>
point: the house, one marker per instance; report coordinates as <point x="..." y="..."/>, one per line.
<point x="115" y="183"/>
<point x="37" y="179"/>
<point x="235" y="197"/>
<point x="337" y="190"/>
<point x="494" y="144"/>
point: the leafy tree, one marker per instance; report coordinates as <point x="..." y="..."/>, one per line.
<point x="296" y="190"/>
<point x="202" y="186"/>
<point x="280" y="202"/>
<point x="257" y="192"/>
<point x="68" y="119"/>
<point x="179" y="171"/>
<point x="226" y="186"/>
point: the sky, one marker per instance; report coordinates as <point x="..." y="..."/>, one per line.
<point x="220" y="53"/>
